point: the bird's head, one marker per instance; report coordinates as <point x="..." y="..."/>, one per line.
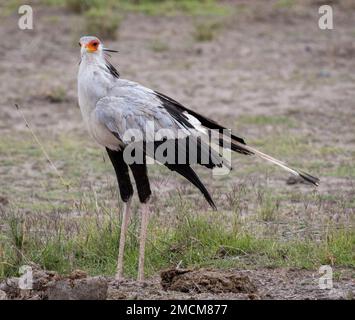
<point x="92" y="45"/>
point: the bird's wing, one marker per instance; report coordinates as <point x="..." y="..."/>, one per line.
<point x="143" y="117"/>
<point x="203" y="124"/>
<point x="130" y="105"/>
<point x="138" y="96"/>
<point x="175" y="113"/>
<point x="139" y="113"/>
<point x="136" y="111"/>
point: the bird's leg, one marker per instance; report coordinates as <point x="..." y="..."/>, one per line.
<point x="142" y="240"/>
<point x="124" y="226"/>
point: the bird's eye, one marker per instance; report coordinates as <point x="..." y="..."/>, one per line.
<point x="95" y="44"/>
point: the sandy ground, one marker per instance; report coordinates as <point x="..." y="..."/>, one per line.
<point x="258" y="64"/>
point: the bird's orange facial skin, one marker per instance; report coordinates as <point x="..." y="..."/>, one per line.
<point x="92" y="46"/>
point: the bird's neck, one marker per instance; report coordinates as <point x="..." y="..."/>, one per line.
<point x="90" y="64"/>
<point x="93" y="59"/>
<point x="92" y="82"/>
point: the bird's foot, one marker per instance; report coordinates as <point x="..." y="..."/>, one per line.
<point x="119" y="278"/>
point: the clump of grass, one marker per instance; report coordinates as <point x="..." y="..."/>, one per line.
<point x="75" y="5"/>
<point x="79" y="6"/>
<point x="56" y="95"/>
<point x="261" y="120"/>
<point x="284" y="4"/>
<point x="236" y="196"/>
<point x="91" y="244"/>
<point x="101" y="17"/>
<point x="268" y="206"/>
<point x="343" y="170"/>
<point x="159" y="46"/>
<point x="16" y="235"/>
<point x="11" y="245"/>
<point x="103" y="23"/>
<point x="206" y="31"/>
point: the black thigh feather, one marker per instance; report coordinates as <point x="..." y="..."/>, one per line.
<point x="140" y="174"/>
<point x="122" y="174"/>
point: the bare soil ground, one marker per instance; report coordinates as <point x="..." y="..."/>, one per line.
<point x="183" y="284"/>
<point x="238" y="284"/>
<point x="277" y="80"/>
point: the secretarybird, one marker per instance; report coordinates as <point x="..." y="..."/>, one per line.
<point x="112" y="106"/>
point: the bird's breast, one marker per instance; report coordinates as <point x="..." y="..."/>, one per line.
<point x="92" y="86"/>
<point x="102" y="135"/>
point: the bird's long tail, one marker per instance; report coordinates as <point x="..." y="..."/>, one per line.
<point x="237" y="146"/>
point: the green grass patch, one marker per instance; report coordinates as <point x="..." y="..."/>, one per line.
<point x="102" y="22"/>
<point x="262" y="120"/>
<point x="344" y="170"/>
<point x="77" y="162"/>
<point x="268" y="205"/>
<point x="150" y="7"/>
<point x="284" y="4"/>
<point x="159" y="46"/>
<point x="206" y="30"/>
<point x="283" y="145"/>
<point x="171" y="7"/>
<point x="195" y="240"/>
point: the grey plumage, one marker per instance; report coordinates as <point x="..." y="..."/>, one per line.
<point x="111" y="107"/>
<point x="134" y="110"/>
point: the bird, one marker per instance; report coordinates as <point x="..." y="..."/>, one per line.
<point x="112" y="107"/>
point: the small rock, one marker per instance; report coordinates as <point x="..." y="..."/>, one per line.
<point x="10" y="287"/>
<point x="3" y="295"/>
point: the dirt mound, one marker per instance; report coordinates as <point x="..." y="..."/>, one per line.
<point x="90" y="288"/>
<point x="205" y="280"/>
<point x="49" y="285"/>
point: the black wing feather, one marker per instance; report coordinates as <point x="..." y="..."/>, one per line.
<point x="185" y="169"/>
<point x="176" y="110"/>
<point x="112" y="69"/>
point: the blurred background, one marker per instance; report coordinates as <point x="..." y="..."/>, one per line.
<point x="263" y="68"/>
